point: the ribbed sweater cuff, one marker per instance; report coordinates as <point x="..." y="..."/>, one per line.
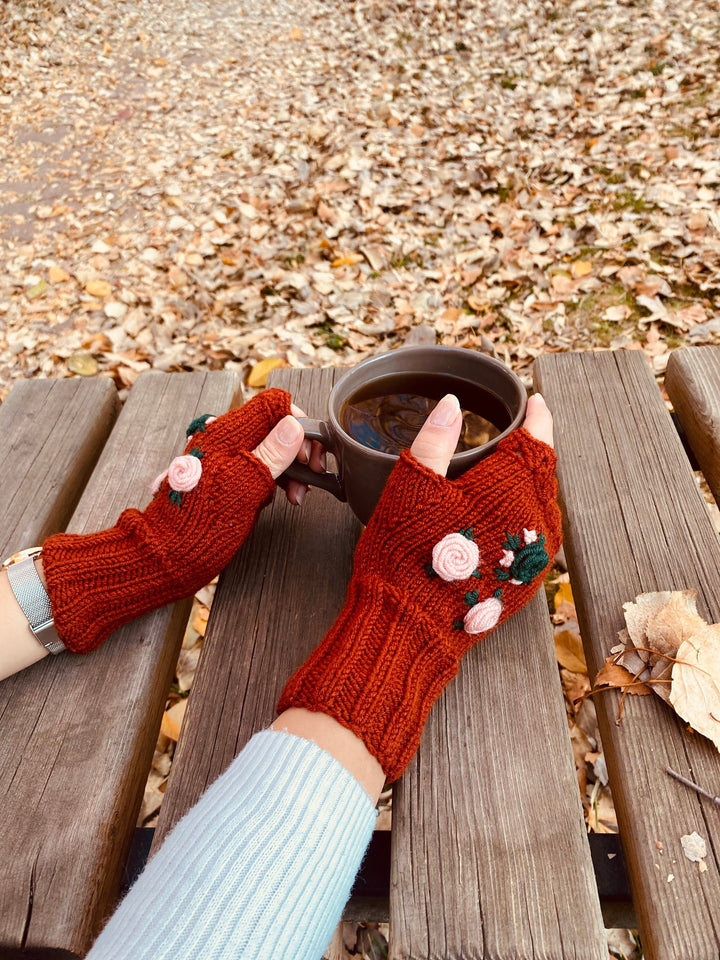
<point x="260" y="867"/>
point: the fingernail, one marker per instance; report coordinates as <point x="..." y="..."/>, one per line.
<point x="446" y="412"/>
<point x="287" y="431"/>
<point x="300" y="496"/>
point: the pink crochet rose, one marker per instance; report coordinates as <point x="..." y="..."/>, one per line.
<point x="455" y="557"/>
<point x="184" y="473"/>
<point x="483" y="616"/>
<point x="157" y="482"/>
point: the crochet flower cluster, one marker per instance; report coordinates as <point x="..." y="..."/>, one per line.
<point x="184" y="473"/>
<point x="457" y="557"/>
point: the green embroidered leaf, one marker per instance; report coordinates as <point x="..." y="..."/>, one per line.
<point x="467" y="533"/>
<point x="512" y="542"/>
<point x="198" y="425"/>
<point x="501" y="574"/>
<point x="197" y="452"/>
<point x="471" y="598"/>
<point x="458" y="624"/>
<point x="530" y="560"/>
<point x="498" y="594"/>
<point x="176" y="498"/>
<point x="476" y="573"/>
<point x="429" y="570"/>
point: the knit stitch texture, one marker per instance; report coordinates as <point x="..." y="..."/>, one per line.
<point x="440" y="564"/>
<point x="185" y="537"/>
<point x="259" y="869"/>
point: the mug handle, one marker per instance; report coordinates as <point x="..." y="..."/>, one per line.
<point x="317" y="430"/>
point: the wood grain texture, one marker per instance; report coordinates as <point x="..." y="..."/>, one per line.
<point x="490" y="857"/>
<point x="78" y="732"/>
<point x="636" y="522"/>
<point x="693" y="385"/>
<point x="51" y="434"/>
<point x="272" y="607"/>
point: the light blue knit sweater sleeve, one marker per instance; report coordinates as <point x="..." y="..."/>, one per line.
<point x="261" y="867"/>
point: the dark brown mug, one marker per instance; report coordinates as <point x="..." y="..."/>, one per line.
<point x="362" y="471"/>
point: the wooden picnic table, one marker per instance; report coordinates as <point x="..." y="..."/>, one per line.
<point x="490" y="857"/>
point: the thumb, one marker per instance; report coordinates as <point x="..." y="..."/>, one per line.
<point x="280" y="447"/>
<point x="435" y="443"/>
<point x="538" y="419"/>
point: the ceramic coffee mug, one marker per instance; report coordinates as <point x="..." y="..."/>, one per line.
<point x="363" y="471"/>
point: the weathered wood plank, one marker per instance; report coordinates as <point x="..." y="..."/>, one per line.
<point x="692" y="381"/>
<point x="635" y="522"/>
<point x="253" y="642"/>
<point x="51" y="434"/>
<point x="490" y="856"/>
<point x="78" y="732"/>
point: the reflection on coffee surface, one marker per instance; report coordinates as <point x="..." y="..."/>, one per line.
<point x="387" y="414"/>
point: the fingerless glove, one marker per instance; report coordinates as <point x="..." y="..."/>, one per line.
<point x="440" y="564"/>
<point x="203" y="508"/>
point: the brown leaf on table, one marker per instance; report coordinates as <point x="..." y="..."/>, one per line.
<point x="657" y="623"/>
<point x="675" y="622"/>
<point x="695" y="690"/>
<point x="613" y="675"/>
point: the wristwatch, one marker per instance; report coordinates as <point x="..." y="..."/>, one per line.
<point x="30" y="593"/>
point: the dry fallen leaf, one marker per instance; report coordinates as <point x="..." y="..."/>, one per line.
<point x="200" y="620"/>
<point x="695" y="690"/>
<point x="83" y="364"/>
<point x="98" y="288"/>
<point x="261" y="371"/>
<point x="569" y="651"/>
<point x="37" y="290"/>
<point x="612" y="674"/>
<point x="581" y="268"/>
<point x="58" y="275"/>
<point x="694" y="847"/>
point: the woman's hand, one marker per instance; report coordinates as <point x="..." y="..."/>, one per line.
<point x="285" y="443"/>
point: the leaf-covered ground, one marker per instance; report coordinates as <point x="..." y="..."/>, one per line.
<point x="191" y="184"/>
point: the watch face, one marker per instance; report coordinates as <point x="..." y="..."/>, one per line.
<point x="20" y="555"/>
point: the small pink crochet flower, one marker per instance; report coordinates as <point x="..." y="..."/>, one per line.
<point x="184" y="473"/>
<point x="157" y="482"/>
<point x="455" y="557"/>
<point x="483" y="616"/>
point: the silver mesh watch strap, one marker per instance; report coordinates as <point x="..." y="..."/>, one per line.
<point x="29" y="592"/>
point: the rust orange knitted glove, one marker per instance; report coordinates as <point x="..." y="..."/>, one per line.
<point x="440" y="564"/>
<point x="203" y="508"/>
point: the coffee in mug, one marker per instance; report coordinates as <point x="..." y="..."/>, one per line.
<point x="387" y="415"/>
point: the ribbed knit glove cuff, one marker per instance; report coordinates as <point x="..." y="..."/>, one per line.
<point x="203" y="509"/>
<point x="440" y="565"/>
